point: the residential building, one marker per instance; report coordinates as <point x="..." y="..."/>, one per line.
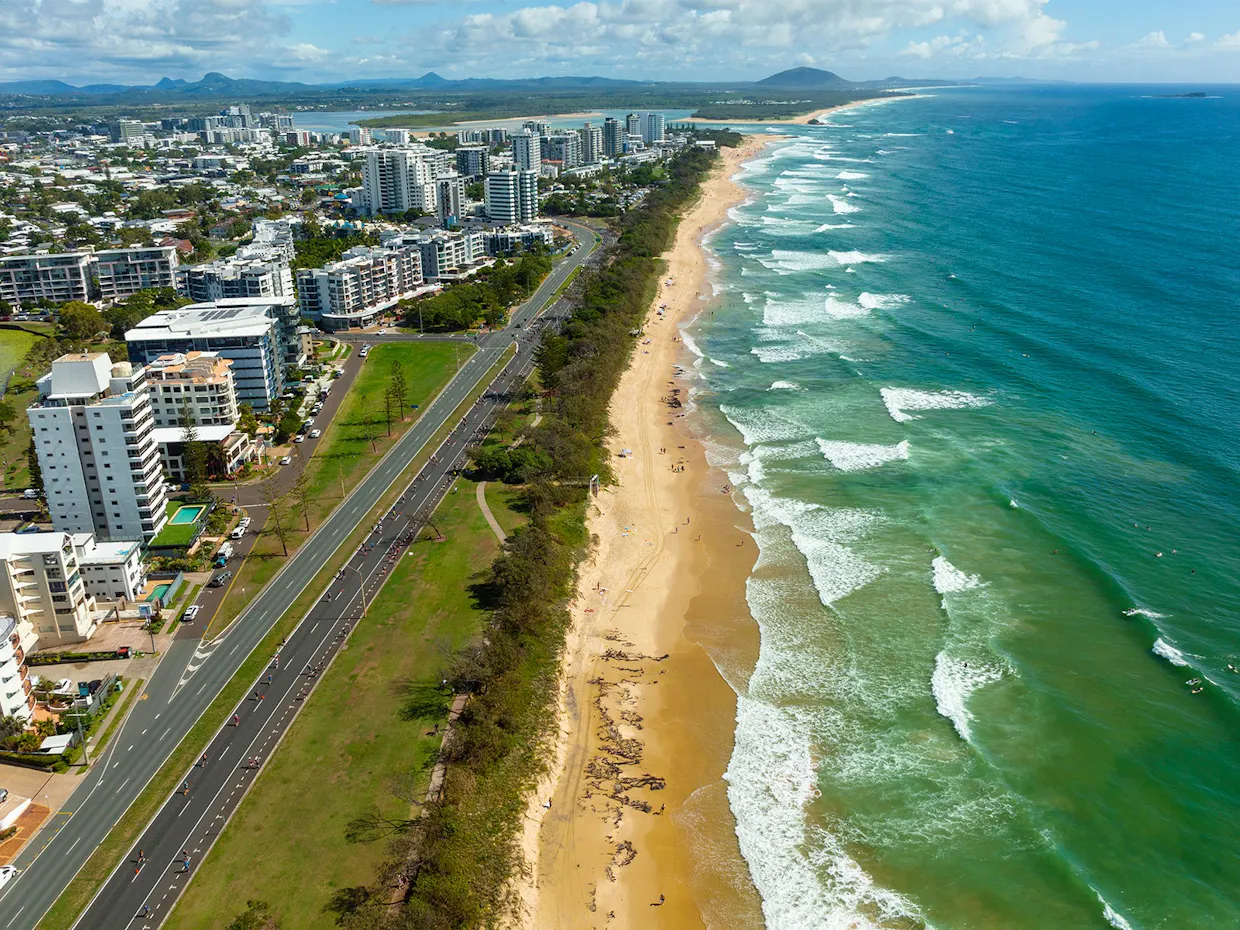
<point x="42" y="589"/>
<point x="122" y="272"/>
<point x="449" y="195"/>
<point x="228" y="449"/>
<point x="271" y="238"/>
<point x="111" y="571"/>
<point x="25" y="279"/>
<point x="613" y="137"/>
<point x="538" y="127"/>
<point x="653" y="130"/>
<point x="396" y="136"/>
<point x="92" y="428"/>
<point x="445" y="255"/>
<point x="565" y="148"/>
<point x="297" y="137"/>
<point x="473" y="161"/>
<point x="634" y="125"/>
<point x="592" y="150"/>
<point x="231" y="277"/>
<point x="131" y="132"/>
<point x="396" y="180"/>
<point x="17" y="637"/>
<point x="363" y="284"/>
<point x="199" y="384"/>
<point x="359" y="135"/>
<point x="526" y="151"/>
<point x="259" y="336"/>
<point x="512" y="197"/>
<point x="511" y="239"/>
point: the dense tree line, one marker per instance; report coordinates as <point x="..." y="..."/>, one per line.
<point x="487" y="297"/>
<point x="463" y="848"/>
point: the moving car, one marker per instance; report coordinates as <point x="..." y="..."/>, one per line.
<point x="315" y="433"/>
<point x="190" y="613"/>
<point x="7" y="874"/>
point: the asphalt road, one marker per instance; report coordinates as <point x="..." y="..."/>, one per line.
<point x="193" y="672"/>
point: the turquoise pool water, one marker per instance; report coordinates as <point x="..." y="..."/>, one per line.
<point x="186" y="515"/>
<point x="159" y="592"/>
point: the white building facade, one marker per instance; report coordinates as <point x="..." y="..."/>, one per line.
<point x="396" y="180"/>
<point x="123" y="272"/>
<point x="363" y="284"/>
<point x="512" y="197"/>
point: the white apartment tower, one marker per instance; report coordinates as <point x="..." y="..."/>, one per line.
<point x="92" y="428"/>
<point x="396" y="136"/>
<point x="512" y="197"/>
<point x="591" y="144"/>
<point x="633" y="124"/>
<point x="396" y="180"/>
<point x="655" y="128"/>
<point x="123" y="272"/>
<point x="449" y="196"/>
<point x="200" y="383"/>
<point x="565" y="147"/>
<point x="527" y="151"/>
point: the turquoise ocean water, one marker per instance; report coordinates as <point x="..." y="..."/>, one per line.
<point x="974" y="364"/>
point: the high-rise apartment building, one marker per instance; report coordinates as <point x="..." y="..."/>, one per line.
<point x="512" y="197"/>
<point x="633" y="124"/>
<point x="92" y="429"/>
<point x="197" y="383"/>
<point x="122" y="272"/>
<point x="527" y="151"/>
<point x="654" y="128"/>
<point x="613" y="137"/>
<point x="359" y="135"/>
<point x="396" y="180"/>
<point x="449" y="196"/>
<point x="25" y="279"/>
<point x="396" y="136"/>
<point x="591" y="144"/>
<point x="473" y="161"/>
<point x="226" y="278"/>
<point x="565" y="148"/>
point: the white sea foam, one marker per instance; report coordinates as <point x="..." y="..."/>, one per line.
<point x="839" y="309"/>
<point x="1169" y="652"/>
<point x="820" y="534"/>
<point x="762" y="425"/>
<point x="841" y="204"/>
<point x="1143" y="612"/>
<point x="825" y="226"/>
<point x="775" y="354"/>
<point x="858" y="456"/>
<point x="953" y="681"/>
<point x="948" y="579"/>
<point x="788" y="261"/>
<point x="690" y="344"/>
<point x="901" y="400"/>
<point x="1111" y="915"/>
<point x="856" y="258"/>
<point x="784" y="386"/>
<point x="882" y="301"/>
<point x="851" y="175"/>
<point x="721" y="364"/>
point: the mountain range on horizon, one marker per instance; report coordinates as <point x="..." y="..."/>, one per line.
<point x="215" y="84"/>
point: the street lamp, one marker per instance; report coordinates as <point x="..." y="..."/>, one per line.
<point x="361" y="584"/>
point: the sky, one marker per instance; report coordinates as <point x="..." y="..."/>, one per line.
<point x="140" y="41"/>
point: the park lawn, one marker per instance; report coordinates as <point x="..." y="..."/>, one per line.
<point x="369" y="721"/>
<point x="14" y="344"/>
<point x="344" y="456"/>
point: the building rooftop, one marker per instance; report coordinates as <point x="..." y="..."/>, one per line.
<point x="197" y="367"/>
<point x="17" y="545"/>
<point x="242" y="316"/>
<point x="174" y="434"/>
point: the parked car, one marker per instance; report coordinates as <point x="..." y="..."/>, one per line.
<point x="4" y="795"/>
<point x="315" y="433"/>
<point x="31" y="494"/>
<point x="94" y="685"/>
<point x="219" y="580"/>
<point x="300" y="437"/>
<point x="238" y="531"/>
<point x="64" y="686"/>
<point x="7" y="874"/>
<point x="190" y="613"/>
<point x="383" y="332"/>
<point x="287" y="460"/>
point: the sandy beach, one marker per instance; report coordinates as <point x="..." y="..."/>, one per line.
<point x="802" y="120"/>
<point x="632" y="827"/>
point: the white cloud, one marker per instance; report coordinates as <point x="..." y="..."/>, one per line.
<point x="1228" y="42"/>
<point x="1196" y="37"/>
<point x="1152" y="40"/>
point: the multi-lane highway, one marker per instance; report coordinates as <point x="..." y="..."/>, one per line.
<point x="194" y="671"/>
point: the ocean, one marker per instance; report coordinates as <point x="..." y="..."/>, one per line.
<point x="973" y="366"/>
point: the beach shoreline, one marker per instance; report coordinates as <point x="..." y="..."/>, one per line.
<point x="635" y="786"/>
<point x="803" y="120"/>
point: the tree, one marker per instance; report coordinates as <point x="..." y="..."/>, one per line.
<point x="398" y="386"/>
<point x="32" y="462"/>
<point x="194" y="455"/>
<point x="8" y="413"/>
<point x="257" y="916"/>
<point x="303" y="496"/>
<point x="369" y="427"/>
<point x="247" y="422"/>
<point x="275" y="500"/>
<point x="80" y="322"/>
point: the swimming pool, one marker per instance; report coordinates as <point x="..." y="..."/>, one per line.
<point x="186" y="515"/>
<point x="159" y="592"/>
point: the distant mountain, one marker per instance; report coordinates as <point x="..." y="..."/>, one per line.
<point x="805" y="79"/>
<point x="36" y="87"/>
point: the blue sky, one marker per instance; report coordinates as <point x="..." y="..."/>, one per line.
<point x="140" y="41"/>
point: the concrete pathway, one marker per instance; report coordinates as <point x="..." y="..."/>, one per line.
<point x="486" y="512"/>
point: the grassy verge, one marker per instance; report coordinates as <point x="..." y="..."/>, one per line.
<point x="101" y="863"/>
<point x="346" y="455"/>
<point x="367" y="738"/>
<point x="134" y="688"/>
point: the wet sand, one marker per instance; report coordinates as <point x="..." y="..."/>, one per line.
<point x="638" y="808"/>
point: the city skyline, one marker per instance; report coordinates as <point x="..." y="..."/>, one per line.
<point x="710" y="40"/>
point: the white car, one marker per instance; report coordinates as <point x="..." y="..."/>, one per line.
<point x="287" y="460"/>
<point x="315" y="433"/>
<point x="190" y="613"/>
<point x="300" y="437"/>
<point x="7" y="874"/>
<point x="238" y="532"/>
<point x="65" y="686"/>
<point x="383" y="332"/>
